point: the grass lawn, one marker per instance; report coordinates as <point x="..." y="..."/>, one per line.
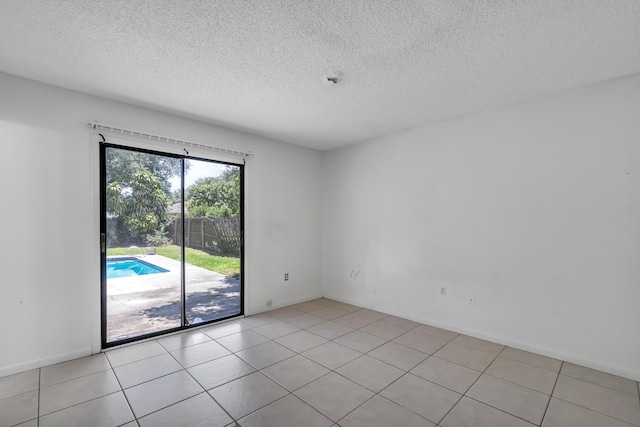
<point x="228" y="266"/>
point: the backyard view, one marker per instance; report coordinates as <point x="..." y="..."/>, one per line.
<point x="150" y="219"/>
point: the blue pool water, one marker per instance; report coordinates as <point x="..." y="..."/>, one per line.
<point x="125" y="267"/>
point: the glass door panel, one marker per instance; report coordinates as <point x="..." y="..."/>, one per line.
<point x="142" y="270"/>
<point x="212" y="240"/>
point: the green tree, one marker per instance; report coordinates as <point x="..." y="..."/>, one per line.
<point x="215" y="197"/>
<point x="138" y="193"/>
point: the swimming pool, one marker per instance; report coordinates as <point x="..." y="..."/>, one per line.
<point x="130" y="266"/>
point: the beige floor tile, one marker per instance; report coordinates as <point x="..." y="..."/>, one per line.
<point x="563" y="414"/>
<point x="381" y="412"/>
<point x="264" y="355"/>
<point x="333" y="395"/>
<point x="300" y="341"/>
<point x="326" y="302"/>
<point x="295" y="372"/>
<point x="512" y="398"/>
<point x="422" y="342"/>
<point x="308" y="306"/>
<point x="345" y="307"/>
<point x="447" y="374"/>
<point x="331" y="354"/>
<point x="465" y="356"/>
<point x="20" y="383"/>
<point x="305" y="320"/>
<point x="62" y="395"/>
<point x="276" y="329"/>
<point x="199" y="353"/>
<point x="223" y="329"/>
<point x="521" y="373"/>
<point x="247" y="394"/>
<point x="145" y="370"/>
<point x="220" y="371"/>
<point x="375" y="315"/>
<point x="532" y="359"/>
<point x="182" y="340"/>
<point x="422" y="397"/>
<point x="436" y="332"/>
<point x="601" y="378"/>
<point x="405" y="324"/>
<point x="242" y="340"/>
<point x="257" y="320"/>
<point x="471" y="413"/>
<point x="330" y="330"/>
<point x="295" y="385"/>
<point x="360" y="341"/>
<point x="398" y="355"/>
<point x="598" y="398"/>
<point x="370" y="373"/>
<point x="159" y="393"/>
<point x="133" y="353"/>
<point x="72" y="369"/>
<point x="34" y="423"/>
<point x="478" y="344"/>
<point x="107" y="411"/>
<point x="17" y="409"/>
<point x="288" y="411"/>
<point x="354" y="320"/>
<point x="285" y="313"/>
<point x="329" y="313"/>
<point x="197" y="411"/>
<point x="384" y="330"/>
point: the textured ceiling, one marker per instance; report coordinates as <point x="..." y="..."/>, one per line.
<point x="261" y="66"/>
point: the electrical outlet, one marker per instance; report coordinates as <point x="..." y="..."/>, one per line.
<point x="443" y="291"/>
<point x="472" y="300"/>
<point x="286" y="276"/>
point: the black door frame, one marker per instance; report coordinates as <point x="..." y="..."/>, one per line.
<point x="103" y="245"/>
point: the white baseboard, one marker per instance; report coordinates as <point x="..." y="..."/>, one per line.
<point x="614" y="370"/>
<point x="45" y="361"/>
<point x="285" y="304"/>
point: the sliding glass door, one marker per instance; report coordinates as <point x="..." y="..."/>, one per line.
<point x="212" y="241"/>
<point x="171" y="242"/>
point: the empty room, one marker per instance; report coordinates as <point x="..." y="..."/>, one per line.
<point x="332" y="213"/>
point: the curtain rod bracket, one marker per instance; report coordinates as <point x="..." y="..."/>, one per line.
<point x="144" y="135"/>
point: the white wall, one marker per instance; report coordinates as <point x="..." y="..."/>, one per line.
<point x="49" y="300"/>
<point x="532" y="208"/>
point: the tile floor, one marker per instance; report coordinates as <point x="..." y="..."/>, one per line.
<point x="319" y="363"/>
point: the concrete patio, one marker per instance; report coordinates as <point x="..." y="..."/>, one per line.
<point x="138" y="305"/>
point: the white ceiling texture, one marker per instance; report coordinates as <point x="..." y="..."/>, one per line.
<point x="262" y="66"/>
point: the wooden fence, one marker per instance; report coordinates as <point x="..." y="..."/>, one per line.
<point x="219" y="235"/>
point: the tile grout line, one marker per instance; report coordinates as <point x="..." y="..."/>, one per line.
<point x="526" y="363"/>
<point x="597" y="412"/>
<point x="324" y="320"/>
<point x="599" y="385"/>
<point x="39" y="391"/>
<point x="186" y="370"/>
<point x="502" y="410"/>
<point x="162" y="376"/>
<point x="338" y="367"/>
<point x="388" y="385"/>
<point x="275" y="382"/>
<point x="469" y="388"/>
<point x="552" y="390"/>
<point x="126" y="399"/>
<point x="408" y="372"/>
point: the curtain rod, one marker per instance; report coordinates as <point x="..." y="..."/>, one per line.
<point x="100" y="126"/>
